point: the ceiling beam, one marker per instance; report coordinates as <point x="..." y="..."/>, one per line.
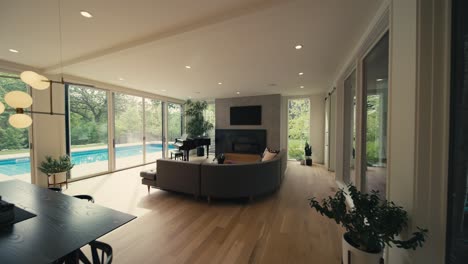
<point x="253" y="7"/>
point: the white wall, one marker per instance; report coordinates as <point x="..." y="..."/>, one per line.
<point x="418" y="120"/>
<point x="48" y="130"/>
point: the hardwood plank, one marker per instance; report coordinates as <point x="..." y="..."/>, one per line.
<point x="176" y="228"/>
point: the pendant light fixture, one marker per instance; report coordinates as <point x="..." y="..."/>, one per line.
<point x="19" y="101"/>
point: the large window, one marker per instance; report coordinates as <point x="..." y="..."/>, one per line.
<point x="210" y="116"/>
<point x="350" y="129"/>
<point x="174" y="122"/>
<point x="298" y="127"/>
<point x="128" y="129"/>
<point x="15" y="162"/>
<point x="153" y="130"/>
<point x="88" y="130"/>
<point x="375" y="69"/>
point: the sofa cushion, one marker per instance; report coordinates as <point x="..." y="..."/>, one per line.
<point x="149" y="174"/>
<point x="269" y="156"/>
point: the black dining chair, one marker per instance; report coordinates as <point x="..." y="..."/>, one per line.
<point x="101" y="253"/>
<point x="79" y="196"/>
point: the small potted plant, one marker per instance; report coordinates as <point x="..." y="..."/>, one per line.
<point x="308" y="154"/>
<point x="370" y="225"/>
<point x="56" y="169"/>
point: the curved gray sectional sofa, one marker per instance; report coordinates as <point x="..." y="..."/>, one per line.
<point x="219" y="180"/>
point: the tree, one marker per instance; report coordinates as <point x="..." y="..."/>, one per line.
<point x="10" y="137"/>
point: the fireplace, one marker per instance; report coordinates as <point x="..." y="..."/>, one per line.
<point x="252" y="141"/>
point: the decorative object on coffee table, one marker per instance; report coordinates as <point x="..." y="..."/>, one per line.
<point x="56" y="170"/>
<point x="221" y="158"/>
<point x="308" y="154"/>
<point x="370" y="225"/>
<point x="196" y="125"/>
<point x="7" y="212"/>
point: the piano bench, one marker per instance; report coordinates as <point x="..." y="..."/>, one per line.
<point x="148" y="178"/>
<point x="177" y="154"/>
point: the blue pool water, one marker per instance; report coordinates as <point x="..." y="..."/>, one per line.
<point x="16" y="166"/>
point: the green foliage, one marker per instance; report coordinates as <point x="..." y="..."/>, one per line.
<point x="88" y="115"/>
<point x="295" y="149"/>
<point x="51" y="166"/>
<point x="196" y="124"/>
<point x="298" y="127"/>
<point x="10" y="137"/>
<point x="174" y="121"/>
<point x="371" y="223"/>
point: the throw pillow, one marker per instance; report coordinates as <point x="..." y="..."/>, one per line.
<point x="269" y="156"/>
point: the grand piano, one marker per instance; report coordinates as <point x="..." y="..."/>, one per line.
<point x="186" y="144"/>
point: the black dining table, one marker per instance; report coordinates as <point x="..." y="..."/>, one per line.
<point x="62" y="225"/>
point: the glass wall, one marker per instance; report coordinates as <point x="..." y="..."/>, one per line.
<point x="128" y="129"/>
<point x="174" y="122"/>
<point x="210" y="116"/>
<point x="350" y="129"/>
<point x="15" y="162"/>
<point x="375" y="73"/>
<point x="298" y="127"/>
<point x="153" y="130"/>
<point x="88" y="128"/>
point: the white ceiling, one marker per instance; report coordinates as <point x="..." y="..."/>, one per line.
<point x="248" y="45"/>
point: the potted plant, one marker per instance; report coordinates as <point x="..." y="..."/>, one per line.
<point x="196" y="124"/>
<point x="220" y="158"/>
<point x="308" y="154"/>
<point x="56" y="169"/>
<point x="370" y="225"/>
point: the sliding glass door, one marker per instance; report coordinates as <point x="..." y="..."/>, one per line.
<point x="350" y="129"/>
<point x="375" y="72"/>
<point x="88" y="126"/>
<point x="15" y="158"/>
<point x="153" y="130"/>
<point x="298" y="127"/>
<point x="128" y="130"/>
<point x="174" y="123"/>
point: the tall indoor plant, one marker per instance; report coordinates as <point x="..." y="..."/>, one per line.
<point x="370" y="225"/>
<point x="56" y="169"/>
<point x="197" y="126"/>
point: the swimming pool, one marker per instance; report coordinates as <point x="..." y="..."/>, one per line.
<point x="22" y="165"/>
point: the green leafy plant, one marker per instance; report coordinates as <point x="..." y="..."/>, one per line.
<point x="196" y="125"/>
<point x="307" y="150"/>
<point x="51" y="166"/>
<point x="371" y="223"/>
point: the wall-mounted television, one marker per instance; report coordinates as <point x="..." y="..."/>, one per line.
<point x="246" y="115"/>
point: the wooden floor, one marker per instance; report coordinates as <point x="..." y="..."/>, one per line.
<point x="175" y="228"/>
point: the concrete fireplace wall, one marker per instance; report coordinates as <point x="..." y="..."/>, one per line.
<point x="271" y="115"/>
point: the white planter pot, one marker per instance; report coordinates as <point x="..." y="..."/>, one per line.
<point x="357" y="256"/>
<point x="59" y="178"/>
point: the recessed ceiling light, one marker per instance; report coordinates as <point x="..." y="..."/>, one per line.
<point x="188" y="67"/>
<point x="13" y="50"/>
<point x="237" y="92"/>
<point x="121" y="79"/>
<point x="86" y="14"/>
<point x="301" y="73"/>
<point x="379" y="80"/>
<point x="302" y="86"/>
<point x="298" y="47"/>
<point x="163" y="90"/>
<point x="220" y="83"/>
